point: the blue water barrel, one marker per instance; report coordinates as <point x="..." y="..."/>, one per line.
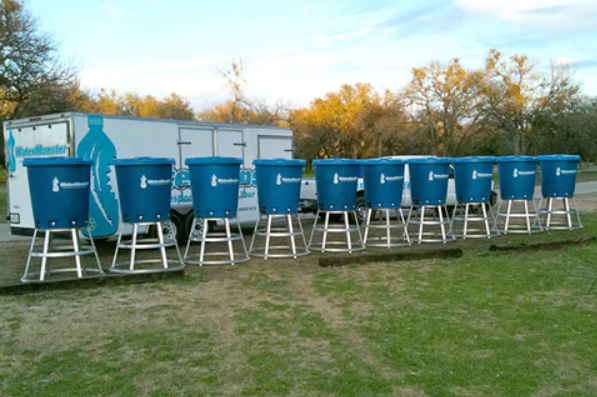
<point x="144" y="188"/>
<point x="279" y="185"/>
<point x="336" y="181"/>
<point x="429" y="180"/>
<point x="214" y="185"/>
<point x="558" y="175"/>
<point x="473" y="176"/>
<point x="59" y="188"/>
<point x="517" y="177"/>
<point x="384" y="182"/>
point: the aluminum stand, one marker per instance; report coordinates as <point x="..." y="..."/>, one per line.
<point x="426" y="227"/>
<point x="63" y="251"/>
<point x="517" y="210"/>
<point x="483" y="221"/>
<point x="205" y="236"/>
<point x="288" y="231"/>
<point x="135" y="244"/>
<point x="384" y="224"/>
<point x="345" y="229"/>
<point x="566" y="216"/>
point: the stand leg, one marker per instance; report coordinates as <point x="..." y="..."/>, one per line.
<point x="162" y="248"/>
<point x="268" y="230"/>
<point x="186" y="251"/>
<point x="465" y="226"/>
<point x="441" y="224"/>
<point x="44" y="258"/>
<point x="325" y="230"/>
<point x="229" y="236"/>
<point x="24" y="278"/>
<point x="242" y="237"/>
<point x="75" y="238"/>
<point x="347" y="225"/>
<point x="367" y="224"/>
<point x="549" y="208"/>
<point x="133" y="246"/>
<point x="203" y="237"/>
<point x="568" y="217"/>
<point x="291" y="230"/>
<point x="117" y="248"/>
<point x="255" y="230"/>
<point x="388" y="227"/>
<point x="421" y="224"/>
<point x="508" y="215"/>
<point x="486" y="220"/>
<point x="314" y="227"/>
<point x="406" y="235"/>
<point x="527" y="216"/>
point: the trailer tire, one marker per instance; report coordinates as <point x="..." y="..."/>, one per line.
<point x="174" y="228"/>
<point x="360" y="208"/>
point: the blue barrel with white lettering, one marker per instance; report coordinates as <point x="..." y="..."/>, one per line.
<point x="473" y="176"/>
<point x="279" y="185"/>
<point x="336" y="181"/>
<point x="558" y="175"/>
<point x="384" y="182"/>
<point x="144" y="188"/>
<point x="429" y="180"/>
<point x="517" y="177"/>
<point x="214" y="185"/>
<point x="59" y="189"/>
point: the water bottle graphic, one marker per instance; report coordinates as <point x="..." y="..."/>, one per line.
<point x="103" y="206"/>
<point x="10" y="148"/>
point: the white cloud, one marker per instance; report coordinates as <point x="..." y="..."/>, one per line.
<point x="282" y="51"/>
<point x="563" y="61"/>
<point x="546" y="13"/>
<point x="187" y="78"/>
<point x="111" y="7"/>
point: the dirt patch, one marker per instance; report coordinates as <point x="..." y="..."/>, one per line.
<point x="586" y="202"/>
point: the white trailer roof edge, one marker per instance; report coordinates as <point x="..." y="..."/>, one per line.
<point x="57" y="116"/>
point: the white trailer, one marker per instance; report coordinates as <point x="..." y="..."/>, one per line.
<point x="103" y="138"/>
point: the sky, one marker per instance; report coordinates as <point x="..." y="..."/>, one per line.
<point x="299" y="50"/>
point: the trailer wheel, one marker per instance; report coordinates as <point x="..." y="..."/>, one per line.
<point x="361" y="208"/>
<point x="173" y="229"/>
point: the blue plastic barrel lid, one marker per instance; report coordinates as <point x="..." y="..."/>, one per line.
<point x="430" y="160"/>
<point x="144" y="161"/>
<point x="515" y="159"/>
<point x="337" y="161"/>
<point x="216" y="160"/>
<point x="474" y="159"/>
<point x="54" y="161"/>
<point x="288" y="162"/>
<point x="383" y="161"/>
<point x="559" y="157"/>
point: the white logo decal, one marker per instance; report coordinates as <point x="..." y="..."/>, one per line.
<point x="430" y="175"/>
<point x="57" y="185"/>
<point x="143" y="182"/>
<point x="515" y="175"/>
<point x="474" y="174"/>
<point x="279" y="179"/>
<point x="336" y="178"/>
<point x="215" y="181"/>
<point x="558" y="171"/>
<point x="382" y="178"/>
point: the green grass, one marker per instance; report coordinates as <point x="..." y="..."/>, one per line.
<point x="486" y="324"/>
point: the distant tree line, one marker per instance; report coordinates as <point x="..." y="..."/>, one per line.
<point x="512" y="105"/>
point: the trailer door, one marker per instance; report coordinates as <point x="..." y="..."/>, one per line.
<point x="272" y="146"/>
<point x="41" y="140"/>
<point x="230" y="143"/>
<point x="194" y="142"/>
